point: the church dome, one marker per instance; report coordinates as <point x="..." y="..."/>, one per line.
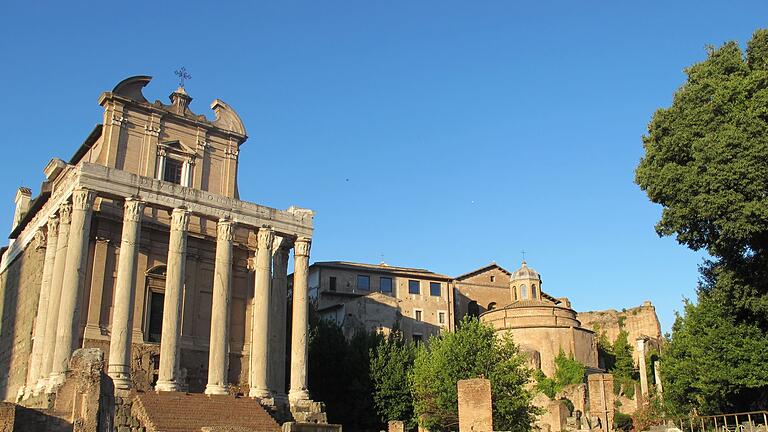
<point x="525" y="272"/>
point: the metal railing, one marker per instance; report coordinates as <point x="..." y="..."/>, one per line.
<point x="754" y="421"/>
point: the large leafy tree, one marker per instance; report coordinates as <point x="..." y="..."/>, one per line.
<point x="339" y="375"/>
<point x="391" y="366"/>
<point x="706" y="163"/>
<point x="472" y="351"/>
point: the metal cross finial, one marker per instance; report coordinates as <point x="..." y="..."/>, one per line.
<point x="523" y="252"/>
<point x="183" y="75"/>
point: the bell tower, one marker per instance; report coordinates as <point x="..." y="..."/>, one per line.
<point x="525" y="284"/>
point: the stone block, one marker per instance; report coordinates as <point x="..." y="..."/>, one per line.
<point x="475" y="408"/>
<point x="396" y="426"/>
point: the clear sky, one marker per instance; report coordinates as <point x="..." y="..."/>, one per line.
<point x="435" y="134"/>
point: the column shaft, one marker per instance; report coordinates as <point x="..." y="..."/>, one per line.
<point x="300" y="327"/>
<point x="168" y="374"/>
<point x="72" y="284"/>
<point x="278" y="316"/>
<point x="42" y="305"/>
<point x="260" y="330"/>
<point x="119" y="368"/>
<point x="218" y="356"/>
<point x="54" y="300"/>
<point x="643" y="368"/>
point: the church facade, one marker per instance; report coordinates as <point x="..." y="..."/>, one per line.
<point x="139" y="245"/>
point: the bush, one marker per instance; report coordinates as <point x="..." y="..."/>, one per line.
<point x="568" y="371"/>
<point x="622" y="422"/>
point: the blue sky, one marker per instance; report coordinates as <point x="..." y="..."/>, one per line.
<point x="436" y="134"/>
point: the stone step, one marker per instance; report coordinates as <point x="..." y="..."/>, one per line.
<point x="181" y="412"/>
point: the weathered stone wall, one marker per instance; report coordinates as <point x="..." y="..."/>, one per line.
<point x="489" y="288"/>
<point x="19" y="292"/>
<point x="637" y="321"/>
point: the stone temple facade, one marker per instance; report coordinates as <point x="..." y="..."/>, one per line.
<point x="139" y="245"/>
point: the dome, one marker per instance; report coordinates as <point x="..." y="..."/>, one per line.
<point x="525" y="272"/>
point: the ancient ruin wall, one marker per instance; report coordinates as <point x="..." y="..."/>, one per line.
<point x="19" y="291"/>
<point x="638" y="321"/>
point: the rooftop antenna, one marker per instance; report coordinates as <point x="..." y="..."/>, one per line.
<point x="183" y="75"/>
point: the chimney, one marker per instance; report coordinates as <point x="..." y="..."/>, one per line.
<point x="23" y="198"/>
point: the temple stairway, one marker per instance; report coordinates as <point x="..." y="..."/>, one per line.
<point x="182" y="412"/>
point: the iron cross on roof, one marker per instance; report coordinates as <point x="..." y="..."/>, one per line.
<point x="183" y="75"/>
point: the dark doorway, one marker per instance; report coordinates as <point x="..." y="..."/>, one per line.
<point x="156" y="302"/>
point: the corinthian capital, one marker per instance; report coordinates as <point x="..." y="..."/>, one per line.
<point x="82" y="199"/>
<point x="134" y="209"/>
<point x="53" y="225"/>
<point x="179" y="219"/>
<point x="65" y="213"/>
<point x="302" y="246"/>
<point x="265" y="237"/>
<point x="224" y="229"/>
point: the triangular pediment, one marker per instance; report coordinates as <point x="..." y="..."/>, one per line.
<point x="490" y="268"/>
<point x="176" y="146"/>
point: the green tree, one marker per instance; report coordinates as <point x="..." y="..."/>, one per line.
<point x="568" y="371"/>
<point x="706" y="163"/>
<point x="339" y="375"/>
<point x="391" y="366"/>
<point x="472" y="351"/>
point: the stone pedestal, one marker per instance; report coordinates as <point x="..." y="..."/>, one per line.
<point x="218" y="358"/>
<point x="475" y="409"/>
<point x="119" y="368"/>
<point x="168" y="375"/>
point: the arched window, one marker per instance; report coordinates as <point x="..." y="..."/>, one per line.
<point x="155" y="300"/>
<point x="533" y="291"/>
<point x="523" y="292"/>
<point x="491" y="305"/>
<point x="473" y="309"/>
<point x="514" y="293"/>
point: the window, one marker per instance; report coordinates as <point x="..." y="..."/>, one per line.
<point x="332" y="283"/>
<point x="491" y="305"/>
<point x="441" y="317"/>
<point x="414" y="287"/>
<point x="417" y="314"/>
<point x="523" y="292"/>
<point x="533" y="291"/>
<point x="385" y="284"/>
<point x="363" y="282"/>
<point x="434" y="289"/>
<point x="417" y="338"/>
<point x="173" y="170"/>
<point x="493" y="278"/>
<point x="514" y="293"/>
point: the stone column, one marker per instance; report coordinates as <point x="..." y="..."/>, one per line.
<point x="72" y="284"/>
<point x="218" y="356"/>
<point x="657" y="377"/>
<point x="278" y="315"/>
<point x="300" y="328"/>
<point x="174" y="285"/>
<point x="54" y="299"/>
<point x="119" y="368"/>
<point x="260" y="329"/>
<point x="643" y="367"/>
<point x="42" y="305"/>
